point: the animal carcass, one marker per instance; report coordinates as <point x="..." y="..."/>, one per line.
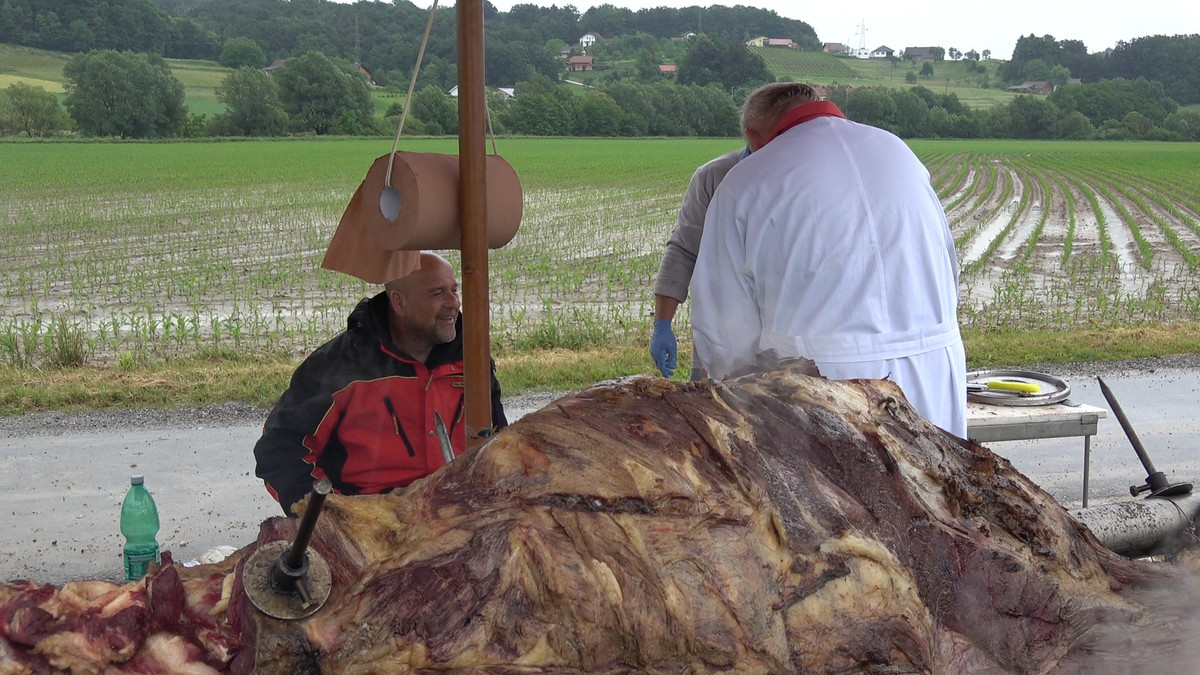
<point x="778" y="523"/>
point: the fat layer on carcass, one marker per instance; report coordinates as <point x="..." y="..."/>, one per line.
<point x="777" y="523"/>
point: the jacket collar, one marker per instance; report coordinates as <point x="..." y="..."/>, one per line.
<point x="803" y="113"/>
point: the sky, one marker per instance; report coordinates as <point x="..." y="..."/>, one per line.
<point x="962" y="24"/>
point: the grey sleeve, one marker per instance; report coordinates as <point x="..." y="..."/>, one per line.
<point x="675" y="271"/>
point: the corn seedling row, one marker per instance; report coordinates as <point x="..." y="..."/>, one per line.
<point x="136" y="253"/>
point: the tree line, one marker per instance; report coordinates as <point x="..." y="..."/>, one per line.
<point x="132" y="94"/>
<point x="1117" y="109"/>
<point x="129" y="95"/>
<point x="384" y="37"/>
<point x="1174" y="61"/>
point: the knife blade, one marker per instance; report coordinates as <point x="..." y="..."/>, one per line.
<point x="443" y="437"/>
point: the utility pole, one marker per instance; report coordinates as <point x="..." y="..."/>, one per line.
<point x="357" y="56"/>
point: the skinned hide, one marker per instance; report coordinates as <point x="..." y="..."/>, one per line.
<point x="777" y="523"/>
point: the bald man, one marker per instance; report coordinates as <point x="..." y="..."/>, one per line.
<point x="359" y="410"/>
<point x="828" y="242"/>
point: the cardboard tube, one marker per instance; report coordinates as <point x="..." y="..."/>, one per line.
<point x="369" y="246"/>
<point x="353" y="251"/>
<point x="428" y="187"/>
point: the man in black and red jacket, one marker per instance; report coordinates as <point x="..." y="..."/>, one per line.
<point x="359" y="410"/>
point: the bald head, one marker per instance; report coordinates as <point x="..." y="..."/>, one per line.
<point x="423" y="307"/>
<point x="431" y="264"/>
<point x="766" y="106"/>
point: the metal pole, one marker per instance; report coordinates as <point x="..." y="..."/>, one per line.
<point x="316" y="499"/>
<point x="1156" y="481"/>
<point x="1087" y="465"/>
<point x="1127" y="427"/>
<point x="472" y="117"/>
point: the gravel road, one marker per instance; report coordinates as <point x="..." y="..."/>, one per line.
<point x="216" y="415"/>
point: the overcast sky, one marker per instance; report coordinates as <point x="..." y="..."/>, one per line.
<point x="963" y="24"/>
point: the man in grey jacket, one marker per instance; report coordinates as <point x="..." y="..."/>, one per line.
<point x="675" y="271"/>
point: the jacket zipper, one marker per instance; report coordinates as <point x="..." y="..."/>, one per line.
<point x="458" y="412"/>
<point x="387" y="401"/>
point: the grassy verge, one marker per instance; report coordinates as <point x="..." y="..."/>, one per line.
<point x="259" y="380"/>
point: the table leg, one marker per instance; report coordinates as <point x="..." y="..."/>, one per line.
<point x="1087" y="463"/>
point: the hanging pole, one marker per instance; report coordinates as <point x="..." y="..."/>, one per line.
<point x="472" y="116"/>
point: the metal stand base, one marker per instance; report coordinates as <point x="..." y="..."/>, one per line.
<point x="288" y="604"/>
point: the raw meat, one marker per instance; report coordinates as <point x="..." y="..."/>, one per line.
<point x="777" y="523"/>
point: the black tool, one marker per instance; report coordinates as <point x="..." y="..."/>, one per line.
<point x="1156" y="482"/>
<point x="286" y="580"/>
<point x="292" y="567"/>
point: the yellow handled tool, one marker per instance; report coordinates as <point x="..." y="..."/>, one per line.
<point x="1014" y="385"/>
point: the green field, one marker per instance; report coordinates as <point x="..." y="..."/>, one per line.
<point x="35" y="67"/>
<point x="200" y="80"/>
<point x="159" y="250"/>
<point x="821" y="68"/>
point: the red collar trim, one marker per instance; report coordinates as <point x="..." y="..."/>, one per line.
<point x="803" y="113"/>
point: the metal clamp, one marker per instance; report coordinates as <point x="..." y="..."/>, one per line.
<point x="285" y="579"/>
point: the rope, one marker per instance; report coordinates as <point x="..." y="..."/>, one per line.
<point x="387" y="180"/>
<point x="412" y="83"/>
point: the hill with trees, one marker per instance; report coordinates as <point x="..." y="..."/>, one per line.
<point x="315" y="66"/>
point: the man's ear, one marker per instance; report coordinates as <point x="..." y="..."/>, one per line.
<point x="755" y="138"/>
<point x="398" y="302"/>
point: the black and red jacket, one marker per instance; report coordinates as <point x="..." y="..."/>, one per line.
<point x="360" y="412"/>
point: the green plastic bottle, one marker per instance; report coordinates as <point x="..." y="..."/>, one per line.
<point x="139" y="524"/>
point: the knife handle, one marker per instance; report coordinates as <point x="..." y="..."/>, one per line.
<point x="1014" y="385"/>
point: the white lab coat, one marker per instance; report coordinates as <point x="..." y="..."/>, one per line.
<point x="830" y="243"/>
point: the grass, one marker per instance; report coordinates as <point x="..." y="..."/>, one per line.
<point x="259" y="381"/>
<point x="36" y="67"/>
<point x="200" y="80"/>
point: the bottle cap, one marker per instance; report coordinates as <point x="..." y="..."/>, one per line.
<point x="136" y="480"/>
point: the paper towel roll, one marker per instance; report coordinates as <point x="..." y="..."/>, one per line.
<point x="369" y="246"/>
<point x="353" y="251"/>
<point x="428" y="187"/>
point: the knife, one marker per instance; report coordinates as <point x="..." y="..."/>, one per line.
<point x="443" y="438"/>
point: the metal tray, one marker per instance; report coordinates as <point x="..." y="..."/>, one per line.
<point x="1053" y="390"/>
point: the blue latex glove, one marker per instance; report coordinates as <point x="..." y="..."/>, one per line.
<point x="662" y="347"/>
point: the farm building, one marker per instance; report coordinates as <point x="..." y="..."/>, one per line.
<point x="920" y="53"/>
<point x="576" y="63"/>
<point x="763" y="41"/>
<point x="1038" y="86"/>
<point x="834" y="48"/>
<point x="506" y="92"/>
<point x="365" y="73"/>
<point x="1032" y="87"/>
<point x="589" y="39"/>
<point x="667" y="69"/>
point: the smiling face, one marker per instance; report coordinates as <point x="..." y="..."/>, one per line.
<point x="425" y="306"/>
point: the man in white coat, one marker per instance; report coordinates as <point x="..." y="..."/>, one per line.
<point x="829" y="243"/>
